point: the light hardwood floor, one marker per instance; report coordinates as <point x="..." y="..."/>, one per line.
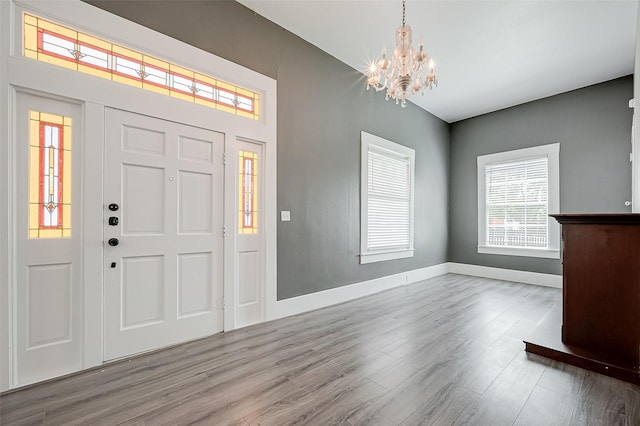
<point x="446" y="351"/>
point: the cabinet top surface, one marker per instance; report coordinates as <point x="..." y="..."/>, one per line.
<point x="595" y="218"/>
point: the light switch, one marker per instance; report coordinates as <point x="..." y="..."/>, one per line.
<point x="285" y="215"/>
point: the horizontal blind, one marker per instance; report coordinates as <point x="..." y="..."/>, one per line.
<point x="517" y="203"/>
<point x="389" y="201"/>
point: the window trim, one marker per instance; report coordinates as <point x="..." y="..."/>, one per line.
<point x="552" y="152"/>
<point x="379" y="144"/>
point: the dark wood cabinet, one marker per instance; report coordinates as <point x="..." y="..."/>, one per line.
<point x="600" y="322"/>
<point x="601" y="285"/>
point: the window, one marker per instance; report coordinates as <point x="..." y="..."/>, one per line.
<point x="49" y="175"/>
<point x="248" y="187"/>
<point x="65" y="47"/>
<point x="386" y="216"/>
<point x="516" y="192"/>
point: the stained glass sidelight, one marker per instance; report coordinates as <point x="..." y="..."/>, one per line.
<point x="62" y="46"/>
<point x="248" y="195"/>
<point x="49" y="175"/>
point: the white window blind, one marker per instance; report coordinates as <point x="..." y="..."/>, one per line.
<point x="389" y="186"/>
<point x="386" y="200"/>
<point x="517" y="203"/>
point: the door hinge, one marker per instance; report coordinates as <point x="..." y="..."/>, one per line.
<point x="224" y="303"/>
<point x="224" y="158"/>
<point x="224" y="231"/>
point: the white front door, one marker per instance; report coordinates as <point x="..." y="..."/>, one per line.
<point x="250" y="261"/>
<point x="49" y="292"/>
<point x="163" y="224"/>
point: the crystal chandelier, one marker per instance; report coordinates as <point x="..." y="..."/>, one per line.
<point x="402" y="75"/>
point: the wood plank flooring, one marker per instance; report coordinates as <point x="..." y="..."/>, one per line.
<point x="446" y="351"/>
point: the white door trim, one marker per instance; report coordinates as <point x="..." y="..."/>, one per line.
<point x="6" y="232"/>
<point x="25" y="74"/>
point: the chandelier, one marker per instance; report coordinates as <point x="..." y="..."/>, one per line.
<point x="402" y="75"/>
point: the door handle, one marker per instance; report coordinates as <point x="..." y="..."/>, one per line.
<point x="113" y="242"/>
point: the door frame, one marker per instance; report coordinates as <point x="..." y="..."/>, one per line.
<point x="21" y="74"/>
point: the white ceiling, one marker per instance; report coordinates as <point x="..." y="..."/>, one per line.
<point x="489" y="54"/>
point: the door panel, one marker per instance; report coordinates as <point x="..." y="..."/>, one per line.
<point x="49" y="304"/>
<point x="163" y="279"/>
<point x="194" y="275"/>
<point x="195" y="202"/>
<point x="48" y="291"/>
<point x="142" y="290"/>
<point x="248" y="292"/>
<point x="144" y="191"/>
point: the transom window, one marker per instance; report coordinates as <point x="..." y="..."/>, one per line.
<point x="516" y="192"/>
<point x="49" y="175"/>
<point x="65" y="47"/>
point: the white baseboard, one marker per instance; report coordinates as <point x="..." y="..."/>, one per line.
<point x="536" y="278"/>
<point x="321" y="299"/>
<point x="309" y="302"/>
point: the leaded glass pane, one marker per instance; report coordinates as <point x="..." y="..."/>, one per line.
<point x="155" y="75"/>
<point x="127" y="67"/>
<point x="226" y="97"/>
<point x="183" y="84"/>
<point x="205" y="91"/>
<point x="94" y="57"/>
<point x="58" y="45"/>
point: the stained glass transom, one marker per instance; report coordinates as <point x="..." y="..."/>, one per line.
<point x="55" y="44"/>
<point x="248" y="196"/>
<point x="49" y="175"/>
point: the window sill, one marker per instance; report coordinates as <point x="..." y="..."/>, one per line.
<point x="525" y="252"/>
<point x="389" y="255"/>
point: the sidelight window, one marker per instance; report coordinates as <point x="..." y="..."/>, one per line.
<point x="49" y="175"/>
<point x="248" y="197"/>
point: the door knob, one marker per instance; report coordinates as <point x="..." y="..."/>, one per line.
<point x="113" y="242"/>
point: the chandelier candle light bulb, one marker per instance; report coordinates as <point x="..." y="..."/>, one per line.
<point x="402" y="74"/>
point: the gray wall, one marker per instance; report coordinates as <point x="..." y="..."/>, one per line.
<point x="322" y="107"/>
<point x="593" y="126"/>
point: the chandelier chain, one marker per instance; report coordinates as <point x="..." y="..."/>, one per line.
<point x="403" y="12"/>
